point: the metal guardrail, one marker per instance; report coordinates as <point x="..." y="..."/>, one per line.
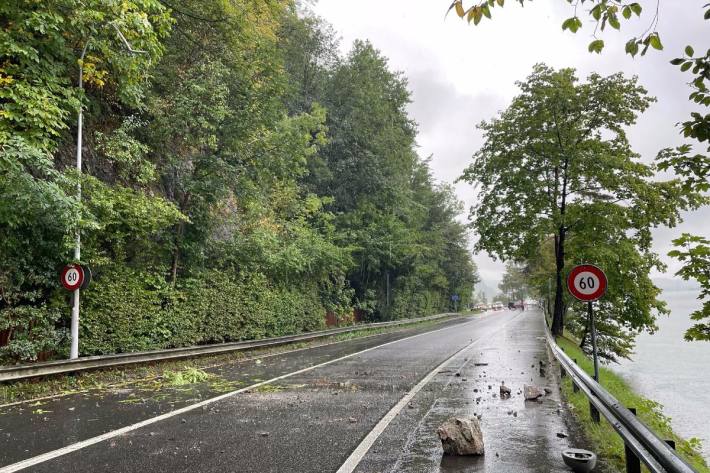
<point x="641" y="443"/>
<point x="18" y="372"/>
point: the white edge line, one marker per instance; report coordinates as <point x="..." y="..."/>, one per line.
<point x="129" y="428"/>
<point x="359" y="453"/>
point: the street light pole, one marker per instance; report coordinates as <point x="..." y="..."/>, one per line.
<point x="74" y="349"/>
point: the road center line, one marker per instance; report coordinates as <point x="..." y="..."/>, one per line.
<point x="359" y="453"/>
<point x="115" y="433"/>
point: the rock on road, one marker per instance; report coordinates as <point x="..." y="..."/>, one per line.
<point x="326" y="412"/>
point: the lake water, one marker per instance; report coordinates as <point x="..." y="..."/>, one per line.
<point x="674" y="372"/>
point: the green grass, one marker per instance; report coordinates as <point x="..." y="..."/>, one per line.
<point x="602" y="435"/>
<point x="168" y="372"/>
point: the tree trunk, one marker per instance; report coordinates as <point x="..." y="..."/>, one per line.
<point x="176" y="254"/>
<point x="558" y="314"/>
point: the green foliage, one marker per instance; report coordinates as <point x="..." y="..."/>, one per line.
<point x="693" y="169"/>
<point x="189" y="375"/>
<point x="240" y="179"/>
<point x="514" y="283"/>
<point x="38" y="62"/>
<point x="131" y="311"/>
<point x="694" y="252"/>
<point x="552" y="165"/>
<point x="31" y="332"/>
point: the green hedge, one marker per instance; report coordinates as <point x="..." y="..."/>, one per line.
<point x="127" y="310"/>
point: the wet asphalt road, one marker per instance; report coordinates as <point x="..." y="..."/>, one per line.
<point x="313" y="420"/>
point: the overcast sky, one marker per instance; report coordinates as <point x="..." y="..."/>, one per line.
<point x="461" y="74"/>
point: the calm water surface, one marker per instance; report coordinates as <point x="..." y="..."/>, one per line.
<point x="674" y="372"/>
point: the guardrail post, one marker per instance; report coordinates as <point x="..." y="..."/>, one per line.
<point x="575" y="388"/>
<point x="593" y="412"/>
<point x="633" y="464"/>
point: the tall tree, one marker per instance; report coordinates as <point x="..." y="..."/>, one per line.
<point x="514" y="283"/>
<point x="556" y="161"/>
<point x="693" y="168"/>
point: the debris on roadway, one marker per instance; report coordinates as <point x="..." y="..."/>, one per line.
<point x="461" y="436"/>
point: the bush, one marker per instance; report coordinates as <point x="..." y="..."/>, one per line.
<point x="31" y="332"/>
<point x="123" y="311"/>
<point x="129" y="310"/>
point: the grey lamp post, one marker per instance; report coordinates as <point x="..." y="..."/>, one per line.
<point x="74" y="350"/>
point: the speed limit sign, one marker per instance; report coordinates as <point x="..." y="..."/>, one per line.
<point x="72" y="277"/>
<point x="586" y="282"/>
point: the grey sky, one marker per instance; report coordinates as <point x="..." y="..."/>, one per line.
<point x="461" y="74"/>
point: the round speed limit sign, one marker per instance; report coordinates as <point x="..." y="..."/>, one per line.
<point x="72" y="277"/>
<point x="586" y="282"/>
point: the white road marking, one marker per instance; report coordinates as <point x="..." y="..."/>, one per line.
<point x="359" y="453"/>
<point x="21" y="465"/>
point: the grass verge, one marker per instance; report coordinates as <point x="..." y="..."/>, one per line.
<point x="170" y="371"/>
<point x="602" y="435"/>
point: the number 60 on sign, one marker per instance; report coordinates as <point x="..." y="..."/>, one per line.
<point x="586" y="282"/>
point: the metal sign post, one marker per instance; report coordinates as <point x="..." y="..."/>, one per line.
<point x="588" y="283"/>
<point x="594" y="341"/>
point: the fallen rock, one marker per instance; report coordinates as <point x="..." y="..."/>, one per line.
<point x="461" y="436"/>
<point x="352" y="420"/>
<point x="532" y="392"/>
<point x="548" y="390"/>
<point x="504" y="391"/>
<point x="561" y="435"/>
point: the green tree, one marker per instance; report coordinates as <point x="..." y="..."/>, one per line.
<point x="693" y="168"/>
<point x="556" y="161"/>
<point x="310" y="52"/>
<point x="694" y="251"/>
<point x="514" y="284"/>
